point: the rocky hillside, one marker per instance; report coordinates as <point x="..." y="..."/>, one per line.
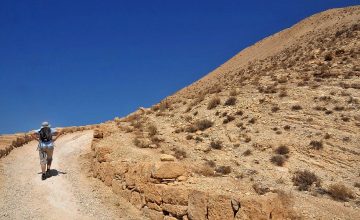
<point x="273" y="133"/>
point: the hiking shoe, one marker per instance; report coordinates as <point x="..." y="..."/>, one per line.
<point x="43" y="176"/>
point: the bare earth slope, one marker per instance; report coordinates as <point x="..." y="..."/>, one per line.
<point x="275" y="129"/>
<point x="68" y="194"/>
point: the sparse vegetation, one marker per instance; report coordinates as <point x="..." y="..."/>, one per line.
<point x="214" y="102"/>
<point x="317" y="145"/>
<point x="228" y="119"/>
<point x="296" y="107"/>
<point x="304" y="179"/>
<point x="179" y="153"/>
<point x="275" y="109"/>
<point x="216" y="145"/>
<point x="224" y="170"/>
<point x="152" y="129"/>
<point x="278" y="160"/>
<point x="230" y="101"/>
<point x="199" y="125"/>
<point x="283" y="150"/>
<point x="340" y="192"/>
<point x="247" y="152"/>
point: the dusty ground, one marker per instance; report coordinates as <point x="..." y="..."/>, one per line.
<point x="68" y="194"/>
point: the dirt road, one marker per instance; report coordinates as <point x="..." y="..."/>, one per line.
<point x="70" y="192"/>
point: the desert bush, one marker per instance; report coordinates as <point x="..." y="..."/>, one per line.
<point x="228" y="119"/>
<point x="204" y="124"/>
<point x="239" y="112"/>
<point x="230" y="101"/>
<point x="339" y="108"/>
<point x="165" y="104"/>
<point x="205" y="170"/>
<point x="139" y="142"/>
<point x="152" y="129"/>
<point x="216" y="145"/>
<point x="304" y="179"/>
<point x="224" y="170"/>
<point x="179" y="153"/>
<point x="283" y="150"/>
<point x="252" y="120"/>
<point x="215" y="89"/>
<point x="296" y="107"/>
<point x="189" y="137"/>
<point x="198" y="139"/>
<point x="328" y="57"/>
<point x="214" y="102"/>
<point x="287" y="127"/>
<point x="275" y="109"/>
<point x="317" y="145"/>
<point x="357" y="185"/>
<point x="340" y="192"/>
<point x="247" y="152"/>
<point x="278" y="160"/>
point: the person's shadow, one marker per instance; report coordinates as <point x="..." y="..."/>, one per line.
<point x="53" y="172"/>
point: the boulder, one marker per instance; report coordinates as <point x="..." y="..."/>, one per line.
<point x="167" y="157"/>
<point x="168" y="170"/>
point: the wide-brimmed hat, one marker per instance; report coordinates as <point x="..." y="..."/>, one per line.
<point x="45" y="124"/>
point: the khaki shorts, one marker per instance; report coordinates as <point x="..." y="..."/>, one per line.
<point x="46" y="155"/>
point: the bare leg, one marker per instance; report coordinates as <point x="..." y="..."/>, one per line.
<point x="43" y="168"/>
<point x="49" y="158"/>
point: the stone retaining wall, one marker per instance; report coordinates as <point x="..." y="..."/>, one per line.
<point x="151" y="187"/>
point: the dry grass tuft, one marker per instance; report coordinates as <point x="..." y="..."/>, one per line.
<point x="230" y="101"/>
<point x="304" y="179"/>
<point x="216" y="145"/>
<point x="278" y="160"/>
<point x="340" y="192"/>
<point x="214" y="102"/>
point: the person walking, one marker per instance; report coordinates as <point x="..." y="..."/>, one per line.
<point x="46" y="147"/>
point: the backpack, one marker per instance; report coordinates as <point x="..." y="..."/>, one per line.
<point x="45" y="134"/>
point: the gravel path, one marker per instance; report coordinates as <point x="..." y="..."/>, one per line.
<point x="70" y="193"/>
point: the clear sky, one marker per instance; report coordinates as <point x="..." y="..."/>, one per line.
<point x="83" y="62"/>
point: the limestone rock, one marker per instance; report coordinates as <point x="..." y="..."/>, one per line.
<point x="167" y="157"/>
<point x="168" y="170"/>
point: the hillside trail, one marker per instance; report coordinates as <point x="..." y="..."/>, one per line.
<point x="70" y="192"/>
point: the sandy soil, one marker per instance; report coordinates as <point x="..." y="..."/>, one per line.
<point x="70" y="193"/>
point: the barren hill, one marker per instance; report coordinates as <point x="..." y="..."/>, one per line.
<point x="272" y="133"/>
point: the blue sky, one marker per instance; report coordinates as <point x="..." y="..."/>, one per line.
<point x="85" y="62"/>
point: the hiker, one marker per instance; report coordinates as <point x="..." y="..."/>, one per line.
<point x="46" y="147"/>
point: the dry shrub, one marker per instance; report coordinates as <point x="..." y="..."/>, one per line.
<point x="152" y="129"/>
<point x="204" y="124"/>
<point x="252" y="120"/>
<point x="317" y="145"/>
<point x="304" y="179"/>
<point x="296" y="107"/>
<point x="283" y="93"/>
<point x="216" y="145"/>
<point x="275" y="109"/>
<point x="214" y="102"/>
<point x="205" y="170"/>
<point x="166" y="104"/>
<point x="139" y="142"/>
<point x="282" y="150"/>
<point x="215" y="89"/>
<point x="230" y="101"/>
<point x="224" y="170"/>
<point x="228" y="119"/>
<point x="340" y="192"/>
<point x="247" y="152"/>
<point x="287" y="127"/>
<point x="179" y="153"/>
<point x="278" y="160"/>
